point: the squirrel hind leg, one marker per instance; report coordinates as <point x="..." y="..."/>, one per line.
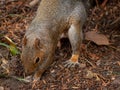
<point x="75" y="37"/>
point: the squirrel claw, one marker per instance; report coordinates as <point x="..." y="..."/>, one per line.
<point x="34" y="84"/>
<point x="35" y="80"/>
<point x="70" y="63"/>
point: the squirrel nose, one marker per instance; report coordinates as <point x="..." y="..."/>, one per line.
<point x="26" y="71"/>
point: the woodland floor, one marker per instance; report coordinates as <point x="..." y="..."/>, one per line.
<point x="100" y="65"/>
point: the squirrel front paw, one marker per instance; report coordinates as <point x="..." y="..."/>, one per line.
<point x="37" y="77"/>
<point x="35" y="80"/>
<point x="73" y="61"/>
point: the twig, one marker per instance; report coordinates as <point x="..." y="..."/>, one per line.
<point x="97" y="3"/>
<point x="104" y="3"/>
<point x="114" y="48"/>
<point x="116" y="21"/>
<point x="103" y="79"/>
<point x="91" y="63"/>
<point x="87" y="46"/>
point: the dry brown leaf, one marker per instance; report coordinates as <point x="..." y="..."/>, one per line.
<point x="90" y="74"/>
<point x="97" y="38"/>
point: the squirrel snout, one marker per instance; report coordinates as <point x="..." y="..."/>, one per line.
<point x="28" y="72"/>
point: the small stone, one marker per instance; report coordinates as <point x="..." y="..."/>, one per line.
<point x="1" y="88"/>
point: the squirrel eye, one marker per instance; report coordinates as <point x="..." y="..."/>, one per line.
<point x="37" y="60"/>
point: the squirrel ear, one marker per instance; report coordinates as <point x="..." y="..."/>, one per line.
<point x="37" y="43"/>
<point x="24" y="41"/>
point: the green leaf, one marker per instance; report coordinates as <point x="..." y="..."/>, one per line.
<point x="14" y="50"/>
<point x="5" y="45"/>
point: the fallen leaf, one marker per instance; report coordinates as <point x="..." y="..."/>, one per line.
<point x="97" y="38"/>
<point x="13" y="49"/>
<point x="90" y="74"/>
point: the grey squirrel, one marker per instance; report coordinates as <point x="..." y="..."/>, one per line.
<point x="54" y="17"/>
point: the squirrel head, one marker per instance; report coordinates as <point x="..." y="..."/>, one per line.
<point x="32" y="54"/>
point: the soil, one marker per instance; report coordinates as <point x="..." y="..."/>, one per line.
<point x="100" y="65"/>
